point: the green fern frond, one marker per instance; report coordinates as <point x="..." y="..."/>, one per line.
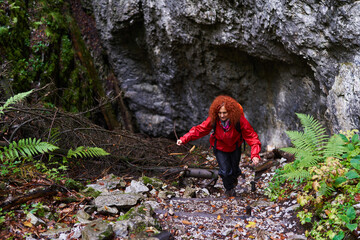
<point x="300" y="140"/>
<point x="335" y="147"/>
<point x="298" y="174"/>
<point x="303" y="154"/>
<point x="17" y="98"/>
<point x="289" y="168"/>
<point x="26" y="148"/>
<point x="291" y="150"/>
<point x="87" y="152"/>
<point x="309" y="161"/>
<point x="313" y="130"/>
<point x="309" y="144"/>
<point x="325" y="190"/>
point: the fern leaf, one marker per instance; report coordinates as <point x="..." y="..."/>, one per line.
<point x="298" y="174"/>
<point x="291" y="150"/>
<point x="309" y="161"/>
<point x="325" y="190"/>
<point x="26" y="148"/>
<point x="300" y="140"/>
<point x="77" y="152"/>
<point x="98" y="151"/>
<point x="335" y="147"/>
<point x="313" y="130"/>
<point x="289" y="168"/>
<point x="17" y="98"/>
<point x="87" y="152"/>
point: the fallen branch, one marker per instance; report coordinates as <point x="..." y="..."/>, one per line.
<point x="50" y="191"/>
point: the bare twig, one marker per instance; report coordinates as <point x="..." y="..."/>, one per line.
<point x="175" y="131"/>
<point x="22" y="124"/>
<point x="52" y="123"/>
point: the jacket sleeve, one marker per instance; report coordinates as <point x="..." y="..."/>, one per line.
<point x="198" y="131"/>
<point x="251" y="137"/>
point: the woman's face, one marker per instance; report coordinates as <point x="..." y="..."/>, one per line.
<point x="223" y="114"/>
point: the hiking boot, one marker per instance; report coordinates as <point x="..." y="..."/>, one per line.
<point x="230" y="193"/>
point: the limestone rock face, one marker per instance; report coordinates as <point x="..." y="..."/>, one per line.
<point x="275" y="57"/>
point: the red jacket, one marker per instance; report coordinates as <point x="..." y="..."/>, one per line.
<point x="226" y="141"/>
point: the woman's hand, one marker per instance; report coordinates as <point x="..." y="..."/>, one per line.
<point x="179" y="142"/>
<point x="255" y="160"/>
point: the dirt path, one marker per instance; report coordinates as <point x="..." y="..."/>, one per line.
<point x="216" y="217"/>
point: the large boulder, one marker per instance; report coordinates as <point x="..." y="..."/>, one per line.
<point x="275" y="57"/>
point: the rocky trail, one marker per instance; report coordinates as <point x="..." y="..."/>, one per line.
<point x="249" y="215"/>
<point x="130" y="207"/>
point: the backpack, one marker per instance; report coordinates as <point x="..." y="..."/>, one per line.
<point x="238" y="128"/>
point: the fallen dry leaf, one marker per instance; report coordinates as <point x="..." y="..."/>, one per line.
<point x="27" y="224"/>
<point x="218" y="217"/>
<point x="357" y="197"/>
<point x="66" y="210"/>
<point x="186" y="222"/>
<point x="251" y="225"/>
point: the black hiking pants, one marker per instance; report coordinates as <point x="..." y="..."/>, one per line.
<point x="229" y="169"/>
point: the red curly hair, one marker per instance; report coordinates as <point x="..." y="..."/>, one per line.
<point x="234" y="109"/>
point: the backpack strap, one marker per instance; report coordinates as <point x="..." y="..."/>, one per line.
<point x="238" y="128"/>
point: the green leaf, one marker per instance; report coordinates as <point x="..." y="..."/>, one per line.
<point x="351" y="213"/>
<point x="352" y="227"/>
<point x="355" y="139"/>
<point x="339" y="181"/>
<point x="344" y="137"/>
<point x="351" y="147"/>
<point x="344" y="218"/>
<point x="339" y="236"/>
<point x="355" y="162"/>
<point x="352" y="174"/>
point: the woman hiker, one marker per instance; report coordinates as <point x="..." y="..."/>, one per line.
<point x="231" y="128"/>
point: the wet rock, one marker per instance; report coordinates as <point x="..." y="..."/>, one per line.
<point x="108" y="210"/>
<point x="137" y="219"/>
<point x="201" y="193"/>
<point x="34" y="220"/>
<point x="97" y="229"/>
<point x="136" y="187"/>
<point x="166" y="194"/>
<point x="53" y="233"/>
<point x="293" y="236"/>
<point x="121" y="228"/>
<point x="153" y="182"/>
<point x="109" y="182"/>
<point x="82" y="216"/>
<point x="189" y="192"/>
<point x="121" y="200"/>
